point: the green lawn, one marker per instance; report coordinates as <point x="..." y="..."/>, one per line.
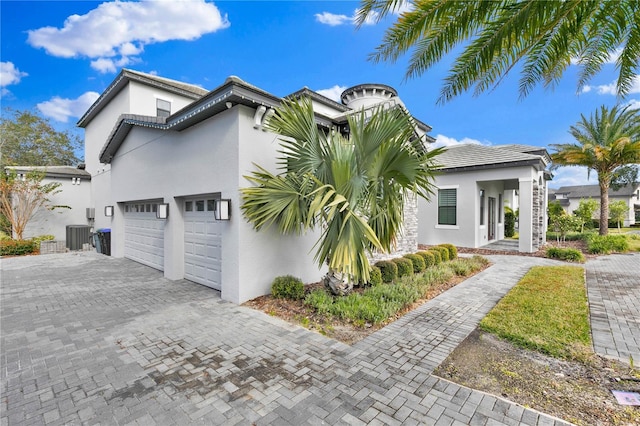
<point x="546" y="311"/>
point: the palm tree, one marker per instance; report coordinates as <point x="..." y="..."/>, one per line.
<point x="352" y="186"/>
<point x="606" y="141"/>
<point x="544" y="36"/>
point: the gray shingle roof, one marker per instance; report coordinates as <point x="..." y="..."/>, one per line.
<point x="54" y="171"/>
<point x="474" y="156"/>
<point x="185" y="89"/>
<point x="593" y="191"/>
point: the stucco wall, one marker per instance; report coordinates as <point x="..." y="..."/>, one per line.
<point x="468" y="232"/>
<point x="211" y="157"/>
<point x="54" y="222"/>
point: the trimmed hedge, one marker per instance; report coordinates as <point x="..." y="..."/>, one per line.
<point x="568" y="254"/>
<point x="17" y="247"/>
<point x="287" y="287"/>
<point x="388" y="270"/>
<point x="429" y="260"/>
<point x="418" y="262"/>
<point x="375" y="276"/>
<point x="453" y="251"/>
<point x="437" y="258"/>
<point x="605" y="244"/>
<point x="444" y="252"/>
<point x="405" y="266"/>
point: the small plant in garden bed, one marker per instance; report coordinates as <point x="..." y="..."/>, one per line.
<point x="17" y="247"/>
<point x="287" y="287"/>
<point x="405" y="266"/>
<point x="568" y="254"/>
<point x="605" y="244"/>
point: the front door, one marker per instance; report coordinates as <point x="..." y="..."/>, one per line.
<point x="492" y="218"/>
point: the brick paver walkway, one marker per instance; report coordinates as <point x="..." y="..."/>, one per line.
<point x="613" y="283"/>
<point x="89" y="339"/>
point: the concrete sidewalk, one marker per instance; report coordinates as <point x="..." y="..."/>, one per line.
<point x="89" y="339"/>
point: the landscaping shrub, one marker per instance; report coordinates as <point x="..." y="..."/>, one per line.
<point x="388" y="270"/>
<point x="429" y="260"/>
<point x="418" y="262"/>
<point x="287" y="287"/>
<point x="405" y="266"/>
<point x="453" y="251"/>
<point x="375" y="276"/>
<point x="605" y="244"/>
<point x="568" y="254"/>
<point x="444" y="253"/>
<point x="17" y="247"/>
<point x="509" y="223"/>
<point x="570" y="236"/>
<point x="437" y="258"/>
<point x="320" y="300"/>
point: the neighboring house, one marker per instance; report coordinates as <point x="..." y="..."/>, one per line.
<point x="569" y="198"/>
<point x="75" y="190"/>
<point x="167" y="160"/>
<point x="475" y="183"/>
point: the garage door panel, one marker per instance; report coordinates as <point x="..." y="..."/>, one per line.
<point x="144" y="239"/>
<point x="202" y="248"/>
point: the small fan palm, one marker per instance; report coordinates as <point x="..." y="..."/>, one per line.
<point x="352" y="187"/>
<point x="606" y="141"/>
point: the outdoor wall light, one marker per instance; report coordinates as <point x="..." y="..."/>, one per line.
<point x="163" y="211"/>
<point x="108" y="211"/>
<point x="223" y="209"/>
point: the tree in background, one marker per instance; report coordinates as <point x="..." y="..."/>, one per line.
<point x="22" y="195"/>
<point x="585" y="212"/>
<point x="509" y="222"/>
<point x="352" y="187"/>
<point x="27" y="139"/>
<point x="618" y="211"/>
<point x="544" y="37"/>
<point x="625" y="175"/>
<point x="555" y="209"/>
<point x="606" y="141"/>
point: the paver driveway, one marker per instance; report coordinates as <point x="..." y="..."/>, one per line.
<point x="92" y="339"/>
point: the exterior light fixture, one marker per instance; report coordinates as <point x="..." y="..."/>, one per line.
<point x="108" y="211"/>
<point x="163" y="211"/>
<point x="223" y="209"/>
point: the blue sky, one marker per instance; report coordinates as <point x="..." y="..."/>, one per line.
<point x="56" y="57"/>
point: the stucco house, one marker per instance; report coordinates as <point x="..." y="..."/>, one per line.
<point x="569" y="198"/>
<point x="74" y="192"/>
<point x="474" y="184"/>
<point x="167" y="160"/>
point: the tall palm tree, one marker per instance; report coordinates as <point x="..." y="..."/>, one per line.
<point x="606" y="141"/>
<point x="544" y="36"/>
<point x="352" y="186"/>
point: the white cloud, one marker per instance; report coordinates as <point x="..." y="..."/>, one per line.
<point x="333" y="92"/>
<point x="118" y="31"/>
<point x="332" y="19"/>
<point x="610" y="89"/>
<point x="442" y="140"/>
<point x="634" y="104"/>
<point x="9" y="74"/>
<point x="571" y="176"/>
<point x="61" y="109"/>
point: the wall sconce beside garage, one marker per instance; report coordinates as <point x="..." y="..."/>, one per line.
<point x="163" y="211"/>
<point x="108" y="211"/>
<point x="223" y="209"/>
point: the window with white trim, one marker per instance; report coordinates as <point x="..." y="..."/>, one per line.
<point x="447" y="206"/>
<point x="163" y="108"/>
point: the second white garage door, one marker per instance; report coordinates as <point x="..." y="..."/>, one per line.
<point x="202" y="243"/>
<point x="144" y="234"/>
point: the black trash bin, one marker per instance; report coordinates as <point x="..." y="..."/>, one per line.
<point x="104" y="237"/>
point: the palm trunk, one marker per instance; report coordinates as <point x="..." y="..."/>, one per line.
<point x="337" y="283"/>
<point x="604" y="207"/>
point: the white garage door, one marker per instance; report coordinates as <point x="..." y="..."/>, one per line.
<point x="202" y="243"/>
<point x="144" y="234"/>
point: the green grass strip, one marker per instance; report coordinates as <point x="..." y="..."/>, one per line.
<point x="546" y="311"/>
